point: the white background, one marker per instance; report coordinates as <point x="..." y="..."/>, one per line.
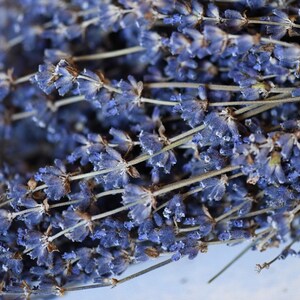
<point x="187" y="279"/>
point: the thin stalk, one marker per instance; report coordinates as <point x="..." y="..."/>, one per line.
<point x="262" y="243"/>
<point x="192" y="180"/>
<point x="61" y="204"/>
<point x="133" y="162"/>
<point x="97" y="56"/>
<point x="89" y="22"/>
<point x="69" y="229"/>
<point x="63" y="102"/>
<point x="277" y="42"/>
<point x="57" y="104"/>
<point x="5" y="202"/>
<point x="114" y="282"/>
<point x="217" y="242"/>
<point x="111" y="192"/>
<point x="152" y="268"/>
<point x="14" y="41"/>
<point x="115" y="211"/>
<point x="196" y="190"/>
<point x="216" y="220"/>
<point x="235" y="259"/>
<point x="190" y="133"/>
<point x="230" y="212"/>
<point x="184" y="196"/>
<point x="38" y="188"/>
<point x="93" y="218"/>
<point x="190" y="85"/>
<point x="228" y="265"/>
<point x="68" y="101"/>
<point x="191" y="192"/>
<point x="23" y="79"/>
<point x="41" y="208"/>
<point x="252" y="214"/>
<point x="23" y="115"/>
<point x="236" y="175"/>
<point x="158" y="102"/>
<point x="213" y="87"/>
<point x="248" y="21"/>
<point x="272" y="23"/>
<point x="230" y="103"/>
<point x="93" y="174"/>
<point x="257" y="111"/>
<point x="109" y="54"/>
<point x="263" y="211"/>
<point x="238" y="103"/>
<point x="109" y="282"/>
<point x="267" y="265"/>
<point x="251" y="107"/>
<point x="26" y="211"/>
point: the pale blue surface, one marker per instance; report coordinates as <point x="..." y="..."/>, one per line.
<point x="187" y="280"/>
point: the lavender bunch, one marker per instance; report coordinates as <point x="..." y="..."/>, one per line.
<point x="134" y="129"/>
